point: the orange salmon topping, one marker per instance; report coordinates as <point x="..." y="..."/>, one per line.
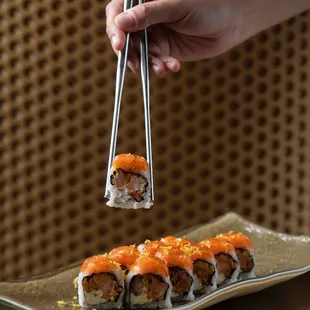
<point x="124" y="255"/>
<point x="130" y="163"/>
<point x="150" y="247"/>
<point x="183" y="244"/>
<point x="98" y="264"/>
<point x="175" y="259"/>
<point x="176" y="241"/>
<point x="149" y="264"/>
<point x="216" y="246"/>
<point x="201" y="252"/>
<point x="238" y="240"/>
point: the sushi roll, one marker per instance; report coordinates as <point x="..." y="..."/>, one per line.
<point x="148" y="284"/>
<point x="245" y="252"/>
<point x="204" y="269"/>
<point x="228" y="266"/>
<point x="129" y="184"/>
<point x="180" y="267"/>
<point x="125" y="256"/>
<point x="204" y="264"/>
<point x="101" y="283"/>
<point x="180" y="272"/>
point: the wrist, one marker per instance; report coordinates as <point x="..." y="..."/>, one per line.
<point x="259" y="15"/>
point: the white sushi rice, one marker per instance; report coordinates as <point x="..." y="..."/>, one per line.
<point x="142" y="300"/>
<point x="93" y="299"/>
<point x="197" y="286"/>
<point x="122" y="199"/>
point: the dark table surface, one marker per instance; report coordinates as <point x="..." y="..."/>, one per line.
<point x="291" y="295"/>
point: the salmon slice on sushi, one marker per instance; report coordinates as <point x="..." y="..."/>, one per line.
<point x="150" y="247"/>
<point x="125" y="256"/>
<point x="245" y="252"/>
<point x="101" y="284"/>
<point x="129" y="184"/>
<point x="148" y="284"/>
<point x="228" y="266"/>
<point x="176" y="242"/>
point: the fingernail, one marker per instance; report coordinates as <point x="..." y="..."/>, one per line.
<point x="172" y="66"/>
<point x="125" y="20"/>
<point x="114" y="41"/>
<point x="155" y="68"/>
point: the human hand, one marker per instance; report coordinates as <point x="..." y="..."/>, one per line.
<point x="179" y="30"/>
<point x="189" y="30"/>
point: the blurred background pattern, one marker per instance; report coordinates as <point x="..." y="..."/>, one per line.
<point x="229" y="134"/>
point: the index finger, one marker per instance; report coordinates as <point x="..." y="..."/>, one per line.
<point x="115" y="34"/>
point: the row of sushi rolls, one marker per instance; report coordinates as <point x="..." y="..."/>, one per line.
<point x="157" y="273"/>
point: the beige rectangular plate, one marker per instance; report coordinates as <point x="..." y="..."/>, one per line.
<point x="279" y="258"/>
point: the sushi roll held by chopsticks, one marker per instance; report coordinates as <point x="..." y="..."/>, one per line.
<point x="129" y="183"/>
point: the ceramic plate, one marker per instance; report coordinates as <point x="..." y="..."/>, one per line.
<point x="280" y="258"/>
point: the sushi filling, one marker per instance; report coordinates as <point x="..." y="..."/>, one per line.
<point x="147" y="288"/>
<point x="226" y="265"/>
<point x="246" y="260"/>
<point x="134" y="185"/>
<point x="204" y="272"/>
<point x="180" y="280"/>
<point x="105" y="284"/>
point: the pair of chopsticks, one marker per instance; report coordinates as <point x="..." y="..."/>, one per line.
<point x="120" y="75"/>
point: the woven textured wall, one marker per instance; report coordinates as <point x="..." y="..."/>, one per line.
<point x="230" y="134"/>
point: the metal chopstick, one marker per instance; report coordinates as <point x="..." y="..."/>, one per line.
<point x="120" y="75"/>
<point x="146" y="100"/>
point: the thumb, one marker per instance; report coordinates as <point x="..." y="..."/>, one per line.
<point x="150" y="13"/>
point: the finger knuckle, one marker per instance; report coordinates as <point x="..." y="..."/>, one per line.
<point x="143" y="13"/>
<point x="113" y="6"/>
<point x="146" y="9"/>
